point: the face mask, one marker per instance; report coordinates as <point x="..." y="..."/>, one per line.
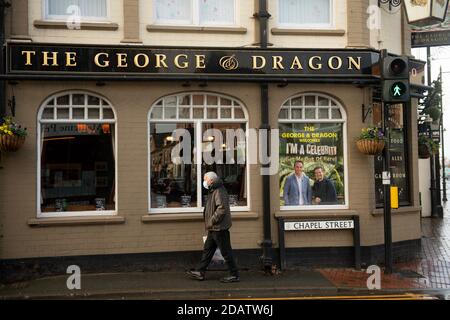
<point x="205" y="185"/>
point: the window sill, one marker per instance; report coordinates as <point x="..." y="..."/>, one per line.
<point x="164" y="217"/>
<point x="316" y="213"/>
<point x="401" y="210"/>
<point x="307" y="32"/>
<point x="166" y="28"/>
<point x="74" y="221"/>
<point x="105" y="26"/>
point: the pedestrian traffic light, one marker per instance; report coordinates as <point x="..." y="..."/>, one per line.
<point x="395" y="79"/>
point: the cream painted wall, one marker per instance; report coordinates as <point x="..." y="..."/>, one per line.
<point x="36" y="12"/>
<point x="389" y="36"/>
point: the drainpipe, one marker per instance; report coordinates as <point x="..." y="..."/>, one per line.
<point x="3" y="5"/>
<point x="267" y="255"/>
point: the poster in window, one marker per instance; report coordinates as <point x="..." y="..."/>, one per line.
<point x="316" y="144"/>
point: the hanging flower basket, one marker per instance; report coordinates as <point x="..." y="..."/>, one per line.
<point x="424" y="151"/>
<point x="12" y="135"/>
<point x="11" y="143"/>
<point x="371" y="141"/>
<point x="370" y="147"/>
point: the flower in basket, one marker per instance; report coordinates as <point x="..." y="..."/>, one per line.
<point x="371" y="141"/>
<point x="371" y="133"/>
<point x="12" y="135"/>
<point x="9" y="127"/>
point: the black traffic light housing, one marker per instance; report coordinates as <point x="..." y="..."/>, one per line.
<point x="395" y="79"/>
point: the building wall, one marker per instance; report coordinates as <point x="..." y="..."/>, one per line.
<point x="161" y="233"/>
<point x="132" y="103"/>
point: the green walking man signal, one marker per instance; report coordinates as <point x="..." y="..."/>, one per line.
<point x="395" y="79"/>
<point x="398" y="89"/>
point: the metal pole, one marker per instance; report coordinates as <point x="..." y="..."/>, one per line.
<point x="3" y="5"/>
<point x="387" y="194"/>
<point x="444" y="183"/>
<point x="267" y="244"/>
<point x="432" y="162"/>
<point x="387" y="183"/>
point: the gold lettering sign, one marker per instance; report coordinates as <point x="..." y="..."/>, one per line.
<point x="122" y="60"/>
<point x="70" y="59"/>
<point x="170" y="61"/>
<point x="277" y="63"/>
<point x="161" y="60"/>
<point x="332" y="63"/>
<point x="200" y="61"/>
<point x="296" y="63"/>
<point x="146" y="60"/>
<point x="28" y="56"/>
<point x="352" y="62"/>
<point x="255" y="62"/>
<point x="315" y="66"/>
<point x="184" y="64"/>
<point x="53" y="58"/>
<point x="105" y="62"/>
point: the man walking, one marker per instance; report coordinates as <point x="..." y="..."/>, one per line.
<point x="217" y="223"/>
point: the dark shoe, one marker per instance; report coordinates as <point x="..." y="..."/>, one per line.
<point x="197" y="275"/>
<point x="230" y="279"/>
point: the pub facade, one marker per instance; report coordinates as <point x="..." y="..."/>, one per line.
<point x="110" y="90"/>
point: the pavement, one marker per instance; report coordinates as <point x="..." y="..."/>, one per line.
<point x="426" y="277"/>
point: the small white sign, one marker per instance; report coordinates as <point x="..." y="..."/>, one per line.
<point x="318" y="225"/>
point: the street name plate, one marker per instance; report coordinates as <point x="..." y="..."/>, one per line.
<point x="318" y="225"/>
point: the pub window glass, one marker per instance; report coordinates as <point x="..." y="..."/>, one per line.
<point x="173" y="183"/>
<point x="318" y="140"/>
<point x="177" y="184"/>
<point x="87" y="9"/>
<point x="231" y="166"/>
<point x="398" y="151"/>
<point x="77" y="160"/>
<point x="195" y="12"/>
<point x="309" y="13"/>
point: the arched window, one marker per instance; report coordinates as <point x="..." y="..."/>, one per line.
<point x="207" y="127"/>
<point x="312" y="153"/>
<point x="77" y="156"/>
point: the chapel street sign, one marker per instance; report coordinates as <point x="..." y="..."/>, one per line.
<point x="168" y="62"/>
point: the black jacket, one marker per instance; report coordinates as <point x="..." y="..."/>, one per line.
<point x="217" y="208"/>
<point x="325" y="190"/>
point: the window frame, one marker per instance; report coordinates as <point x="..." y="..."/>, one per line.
<point x="41" y="121"/>
<point x="330" y="25"/>
<point x="48" y="17"/>
<point x="195" y="17"/>
<point x="198" y="124"/>
<point x="343" y="120"/>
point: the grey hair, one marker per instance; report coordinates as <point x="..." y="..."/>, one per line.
<point x="212" y="175"/>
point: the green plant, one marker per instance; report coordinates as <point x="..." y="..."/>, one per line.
<point x="432" y="145"/>
<point x="9" y="127"/>
<point x="433" y="112"/>
<point x="371" y="133"/>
